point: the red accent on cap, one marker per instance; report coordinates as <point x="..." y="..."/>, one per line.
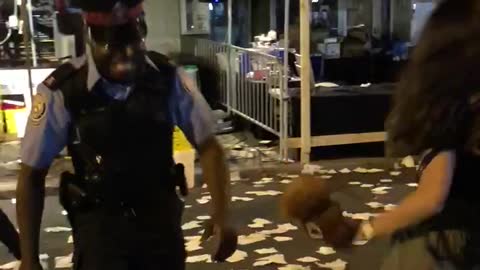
<point x="109" y="19"/>
<point x="60" y="5"/>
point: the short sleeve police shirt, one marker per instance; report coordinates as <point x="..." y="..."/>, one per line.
<point x="48" y="125"/>
<point x="47" y="129"/>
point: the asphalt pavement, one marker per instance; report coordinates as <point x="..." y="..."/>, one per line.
<point x="257" y="192"/>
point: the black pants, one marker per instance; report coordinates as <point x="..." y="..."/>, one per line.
<point x="109" y="238"/>
<point x="9" y="235"/>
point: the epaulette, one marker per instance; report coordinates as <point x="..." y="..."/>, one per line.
<point x="55" y="80"/>
<point x="160" y="60"/>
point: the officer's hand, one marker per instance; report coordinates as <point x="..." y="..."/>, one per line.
<point x="31" y="266"/>
<point x="222" y="239"/>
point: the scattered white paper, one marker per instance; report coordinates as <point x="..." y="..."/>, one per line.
<point x="265" y="180"/>
<point x="374" y="170"/>
<point x="188" y="206"/>
<point x="193" y="245"/>
<point x="259" y="223"/>
<point x="265" y="142"/>
<point x="204" y="186"/>
<point x="64" y="213"/>
<point x="282" y="238"/>
<point x="359" y="216"/>
<point x="243" y="199"/>
<point x="332" y="171"/>
<point x="360" y="170"/>
<point x="286" y="181"/>
<point x="237" y="256"/>
<point x="375" y="205"/>
<point x="380" y="189"/>
<point x="250" y="239"/>
<point x="390" y="207"/>
<point x="264" y="193"/>
<point x="13" y="201"/>
<point x="386" y="180"/>
<point x="57" y="229"/>
<point x="395" y="173"/>
<point x="307" y="259"/>
<point x="193" y="238"/>
<point x="326" y="176"/>
<point x="191" y="225"/>
<point x="326" y="251"/>
<point x="359" y="242"/>
<point x="293" y="176"/>
<point x="346" y="170"/>
<point x="64" y="262"/>
<point x="366" y="185"/>
<point x="311" y="169"/>
<point x="355" y="183"/>
<point x="408" y="162"/>
<point x="264" y="251"/>
<point x="204" y="199"/>
<point x="200" y="258"/>
<point x="294" y="267"/>
<point x="10" y="265"/>
<point x="412" y="184"/>
<point x="273" y="259"/>
<point x="335" y="265"/>
<point x="70" y="239"/>
<point x="262" y="221"/>
<point x="203" y="217"/>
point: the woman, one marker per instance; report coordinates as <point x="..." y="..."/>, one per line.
<point x="437" y="114"/>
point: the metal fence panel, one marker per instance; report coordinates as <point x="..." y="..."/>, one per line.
<point x="252" y="86"/>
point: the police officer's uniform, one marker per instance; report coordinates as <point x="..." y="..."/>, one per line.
<point x="120" y="139"/>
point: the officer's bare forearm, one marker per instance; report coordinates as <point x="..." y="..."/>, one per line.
<point x="30" y="203"/>
<point x="215" y="173"/>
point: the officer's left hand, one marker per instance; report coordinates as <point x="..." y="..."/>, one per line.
<point x="223" y="240"/>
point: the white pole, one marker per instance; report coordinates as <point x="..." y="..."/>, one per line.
<point x="283" y="104"/>
<point x="230" y="79"/>
<point x="305" y="80"/>
<point x="230" y="17"/>
<point x="32" y="33"/>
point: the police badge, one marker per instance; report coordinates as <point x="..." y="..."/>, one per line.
<point x="39" y="108"/>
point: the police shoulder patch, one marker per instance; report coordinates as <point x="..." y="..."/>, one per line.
<point x="39" y="108"/>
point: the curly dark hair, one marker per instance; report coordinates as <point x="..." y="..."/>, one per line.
<point x="435" y="103"/>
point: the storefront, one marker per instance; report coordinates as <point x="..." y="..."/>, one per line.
<point x="26" y="60"/>
<point x="344" y="58"/>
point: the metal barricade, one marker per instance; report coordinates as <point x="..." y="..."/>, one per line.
<point x="252" y="86"/>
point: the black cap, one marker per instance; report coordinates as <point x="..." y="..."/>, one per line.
<point x="103" y="5"/>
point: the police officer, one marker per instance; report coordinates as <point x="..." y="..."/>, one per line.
<point x="115" y="109"/>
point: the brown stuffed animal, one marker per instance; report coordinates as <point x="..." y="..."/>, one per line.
<point x="307" y="200"/>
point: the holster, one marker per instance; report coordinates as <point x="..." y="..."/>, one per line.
<point x="73" y="197"/>
<point x="180" y="179"/>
